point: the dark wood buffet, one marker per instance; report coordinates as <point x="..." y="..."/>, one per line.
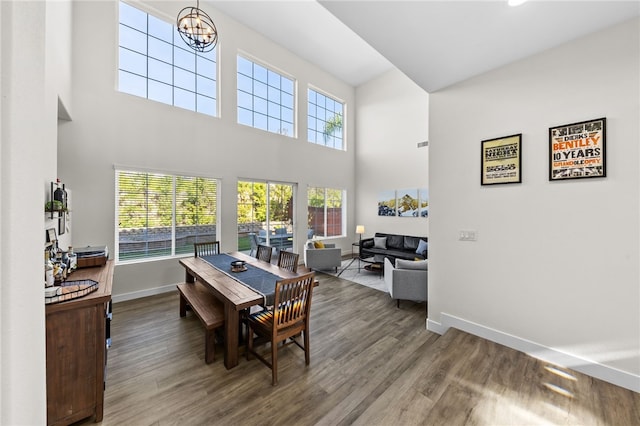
<point x="77" y="332"/>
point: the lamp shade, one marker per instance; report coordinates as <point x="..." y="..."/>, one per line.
<point x="360" y="229"/>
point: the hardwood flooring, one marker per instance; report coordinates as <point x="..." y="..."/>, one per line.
<point x="371" y="364"/>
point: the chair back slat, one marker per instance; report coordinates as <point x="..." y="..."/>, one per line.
<point x="264" y="253"/>
<point x="292" y="301"/>
<point x="288" y="260"/>
<point x="253" y="239"/>
<point x="206" y="249"/>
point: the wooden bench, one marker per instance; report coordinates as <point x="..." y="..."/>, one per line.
<point x="206" y="307"/>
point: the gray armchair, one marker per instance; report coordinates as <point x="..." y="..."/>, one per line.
<point x="320" y="259"/>
<point x="407" y="280"/>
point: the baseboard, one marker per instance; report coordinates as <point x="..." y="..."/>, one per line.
<point x="436" y="327"/>
<point x="544" y="353"/>
<point x="143" y="293"/>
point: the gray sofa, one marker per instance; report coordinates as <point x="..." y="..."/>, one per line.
<point x="406" y="279"/>
<point x="320" y="259"/>
<point x="394" y="246"/>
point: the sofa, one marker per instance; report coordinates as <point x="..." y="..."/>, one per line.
<point x="394" y="246"/>
<point x="319" y="256"/>
<point x="406" y="279"/>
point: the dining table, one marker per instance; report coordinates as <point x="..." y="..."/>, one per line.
<point x="237" y="290"/>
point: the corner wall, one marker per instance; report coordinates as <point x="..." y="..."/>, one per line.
<point x="555" y="268"/>
<point x="392" y="117"/>
<point x="30" y="85"/>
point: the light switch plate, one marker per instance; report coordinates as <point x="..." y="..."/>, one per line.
<point x="468" y="235"/>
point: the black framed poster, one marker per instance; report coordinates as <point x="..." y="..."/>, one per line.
<point x="577" y="150"/>
<point x="501" y="160"/>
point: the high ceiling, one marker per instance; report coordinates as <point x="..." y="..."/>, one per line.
<point x="435" y="43"/>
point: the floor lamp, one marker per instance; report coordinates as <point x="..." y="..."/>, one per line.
<point x="359" y="231"/>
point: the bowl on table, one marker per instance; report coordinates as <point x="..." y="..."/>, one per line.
<point x="238" y="266"/>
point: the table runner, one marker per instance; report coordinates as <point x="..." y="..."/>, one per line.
<point x="258" y="279"/>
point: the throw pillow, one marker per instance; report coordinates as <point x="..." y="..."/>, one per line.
<point x="422" y="247"/>
<point x="380" y="242"/>
<point x="420" y="265"/>
<point x="318" y="244"/>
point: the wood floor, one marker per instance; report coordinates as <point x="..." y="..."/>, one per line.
<point x="371" y="364"/>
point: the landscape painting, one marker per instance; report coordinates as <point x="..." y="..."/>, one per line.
<point x="387" y="203"/>
<point x="407" y="202"/>
<point x="423" y="196"/>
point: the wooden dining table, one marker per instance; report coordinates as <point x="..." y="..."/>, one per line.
<point x="235" y="295"/>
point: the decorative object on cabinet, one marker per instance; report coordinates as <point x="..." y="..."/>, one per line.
<point x="69" y="290"/>
<point x="51" y="237"/>
<point x="58" y="204"/>
<point x="91" y="256"/>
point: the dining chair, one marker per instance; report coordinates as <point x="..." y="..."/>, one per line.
<point x="206" y="249"/>
<point x="288" y="260"/>
<point x="288" y="319"/>
<point x="253" y="239"/>
<point x="264" y="253"/>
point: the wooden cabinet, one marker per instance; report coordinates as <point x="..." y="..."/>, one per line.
<point x="76" y="332"/>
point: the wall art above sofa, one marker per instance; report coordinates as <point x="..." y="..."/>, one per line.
<point x="413" y="202"/>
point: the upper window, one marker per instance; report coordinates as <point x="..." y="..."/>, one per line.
<point x="325" y="212"/>
<point x="325" y="120"/>
<point x="163" y="215"/>
<point x="155" y="63"/>
<point x="265" y="98"/>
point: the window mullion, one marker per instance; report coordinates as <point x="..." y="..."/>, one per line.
<point x="173" y="217"/>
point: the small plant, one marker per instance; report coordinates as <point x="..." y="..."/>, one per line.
<point x="54" y="206"/>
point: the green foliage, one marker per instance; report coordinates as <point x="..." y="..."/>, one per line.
<point x="332" y="126"/>
<point x="146" y="200"/>
<point x="252" y="202"/>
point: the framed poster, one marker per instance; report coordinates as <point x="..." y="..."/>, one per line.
<point x="577" y="150"/>
<point x="501" y="160"/>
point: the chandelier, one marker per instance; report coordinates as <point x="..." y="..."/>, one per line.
<point x="197" y="29"/>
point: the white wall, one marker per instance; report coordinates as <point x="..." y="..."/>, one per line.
<point x="555" y="269"/>
<point x="30" y="86"/>
<point x="392" y="117"/>
<point x="111" y="128"/>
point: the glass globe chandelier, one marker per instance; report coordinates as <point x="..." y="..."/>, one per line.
<point x="197" y="29"/>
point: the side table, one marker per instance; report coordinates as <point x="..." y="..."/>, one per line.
<point x="354" y="256"/>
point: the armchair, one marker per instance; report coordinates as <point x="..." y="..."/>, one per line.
<point x="406" y="280"/>
<point x="328" y="257"/>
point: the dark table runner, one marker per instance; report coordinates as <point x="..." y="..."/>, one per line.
<point x="258" y="279"/>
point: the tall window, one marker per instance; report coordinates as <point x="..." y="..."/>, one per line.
<point x="163" y="215"/>
<point x="155" y="63"/>
<point x="325" y="120"/>
<point x="265" y="215"/>
<point x="326" y="212"/>
<point x="265" y="98"/>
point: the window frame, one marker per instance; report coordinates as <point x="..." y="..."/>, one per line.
<point x="313" y="121"/>
<point x="202" y="98"/>
<point x="262" y="104"/>
<point x="343" y="212"/>
<point x="174" y="232"/>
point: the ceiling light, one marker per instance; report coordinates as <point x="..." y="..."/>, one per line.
<point x="197" y="29"/>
